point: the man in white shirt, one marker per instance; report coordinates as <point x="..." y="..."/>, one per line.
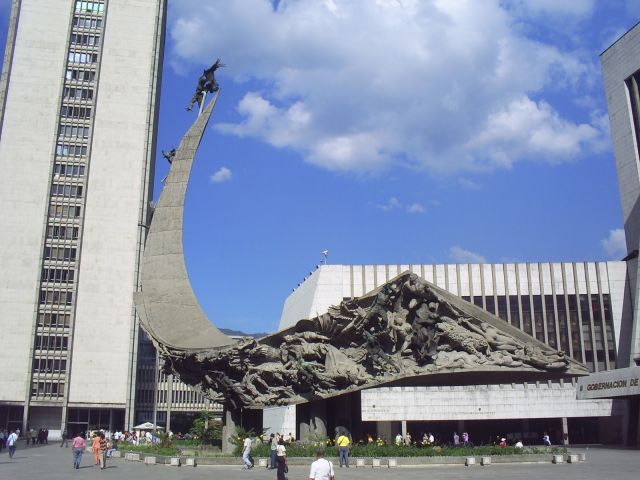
<point x="246" y="452"/>
<point x="321" y="469"/>
<point x="11" y="443"/>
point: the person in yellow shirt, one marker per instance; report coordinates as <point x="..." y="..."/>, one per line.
<point x="343" y="447"/>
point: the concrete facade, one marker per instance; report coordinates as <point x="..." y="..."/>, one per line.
<point x="621" y="71"/>
<point x="80" y="88"/>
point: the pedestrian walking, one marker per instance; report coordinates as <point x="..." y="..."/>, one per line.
<point x="65" y="439"/>
<point x="95" y="446"/>
<point x="321" y="469"/>
<point x="11" y="443"/>
<point x="246" y="453"/>
<point x="104" y="446"/>
<point x="78" y="445"/>
<point x="273" y="443"/>
<point x="281" y="460"/>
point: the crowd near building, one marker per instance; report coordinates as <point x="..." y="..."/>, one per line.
<point x="79" y="103"/>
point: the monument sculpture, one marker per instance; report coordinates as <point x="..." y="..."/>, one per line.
<point x="405" y="329"/>
<point x="206" y="83"/>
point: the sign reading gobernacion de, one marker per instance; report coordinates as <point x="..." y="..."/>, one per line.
<point x="622" y="382"/>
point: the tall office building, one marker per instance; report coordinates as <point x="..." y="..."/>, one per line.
<point x="621" y="70"/>
<point x="79" y="105"/>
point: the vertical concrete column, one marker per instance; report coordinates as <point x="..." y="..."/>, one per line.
<point x="565" y="431"/>
<point x="460" y="427"/>
<point x="229" y="429"/>
<point x="169" y="400"/>
<point x="384" y="431"/>
<point x="318" y="418"/>
<point x="404" y="429"/>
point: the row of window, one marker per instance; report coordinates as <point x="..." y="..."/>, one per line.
<point x="80" y="75"/>
<point x="67" y="191"/>
<point x="82" y="22"/>
<point x="84" y="39"/>
<point x="529" y="312"/>
<point x="64" y="211"/>
<point x="68" y="170"/>
<point x="66" y="254"/>
<point x="71" y="150"/>
<point x="56" y="297"/>
<point x="70" y="111"/>
<point x="52" y="342"/>
<point x="47" y="389"/>
<point x="92" y="7"/>
<point x="62" y="232"/>
<point x="58" y="275"/>
<point x="73" y="131"/>
<point x="82" y="57"/>
<point x="49" y="365"/>
<point x="74" y="93"/>
<point x="54" y="319"/>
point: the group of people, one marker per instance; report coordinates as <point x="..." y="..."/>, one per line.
<point x="41" y="437"/>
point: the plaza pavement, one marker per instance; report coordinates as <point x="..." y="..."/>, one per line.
<point x="50" y="462"/>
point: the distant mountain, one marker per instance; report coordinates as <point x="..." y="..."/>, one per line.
<point x="238" y="333"/>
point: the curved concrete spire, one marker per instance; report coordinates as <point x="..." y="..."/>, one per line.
<point x="167" y="307"/>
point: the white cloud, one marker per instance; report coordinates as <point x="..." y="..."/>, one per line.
<point x="415" y="208"/>
<point x="222" y="175"/>
<point x="364" y="86"/>
<point x="394" y="204"/>
<point x="460" y="255"/>
<point x="469" y="184"/>
<point x="615" y="245"/>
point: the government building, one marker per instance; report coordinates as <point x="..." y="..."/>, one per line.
<point x="79" y="104"/>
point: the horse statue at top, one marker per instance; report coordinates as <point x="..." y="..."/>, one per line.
<point x="206" y="83"/>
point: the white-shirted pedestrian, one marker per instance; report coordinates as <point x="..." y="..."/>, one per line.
<point x="321" y="469"/>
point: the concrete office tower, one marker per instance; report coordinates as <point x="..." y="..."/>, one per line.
<point x="621" y="69"/>
<point x="79" y="95"/>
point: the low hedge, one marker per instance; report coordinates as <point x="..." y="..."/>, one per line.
<point x="373" y="450"/>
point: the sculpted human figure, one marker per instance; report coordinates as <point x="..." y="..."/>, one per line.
<point x="496" y="340"/>
<point x="206" y="83"/>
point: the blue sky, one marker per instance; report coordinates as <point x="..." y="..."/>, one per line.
<point x="389" y="132"/>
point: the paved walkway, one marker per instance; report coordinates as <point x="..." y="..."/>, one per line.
<point x="50" y="462"/>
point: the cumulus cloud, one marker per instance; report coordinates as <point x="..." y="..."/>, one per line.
<point x="460" y="255"/>
<point x="394" y="204"/>
<point x="365" y="86"/>
<point x="615" y="245"/>
<point x="415" y="208"/>
<point x="222" y="175"/>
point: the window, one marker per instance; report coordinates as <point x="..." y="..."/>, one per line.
<point x="85" y="40"/>
<point x="82" y="57"/>
<point x="68" y="170"/>
<point x="71" y="150"/>
<point x="52" y="342"/>
<point x="56" y="297"/>
<point x="73" y="131"/>
<point x="64" y="211"/>
<point x="82" y="22"/>
<point x="47" y="389"/>
<point x="71" y="111"/>
<point x="54" y="319"/>
<point x="58" y="275"/>
<point x="80" y="75"/>
<point x="92" y="7"/>
<point x="65" y="254"/>
<point x="62" y="232"/>
<point x="77" y="93"/>
<point x="67" y="191"/>
<point x="49" y="365"/>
